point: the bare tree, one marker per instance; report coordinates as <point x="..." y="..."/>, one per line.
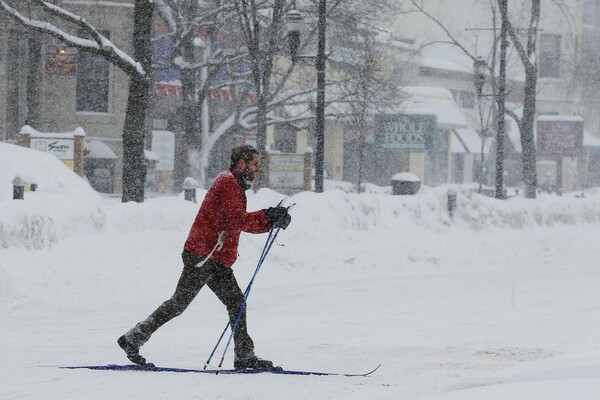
<point x="258" y="36"/>
<point x="528" y="58"/>
<point x="263" y="28"/>
<point x="241" y="43"/>
<point x="371" y="85"/>
<point x="526" y="52"/>
<point x="194" y="28"/>
<point x="262" y="48"/>
<point x="77" y="32"/>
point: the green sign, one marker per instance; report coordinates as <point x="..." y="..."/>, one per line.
<point x="409" y="132"/>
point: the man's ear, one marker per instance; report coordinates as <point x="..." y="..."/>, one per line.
<point x="241" y="164"/>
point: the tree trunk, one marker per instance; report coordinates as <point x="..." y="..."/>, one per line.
<point x="135" y="129"/>
<point x="527" y="139"/>
<point x="361" y="160"/>
<point x="134" y="132"/>
<point x="191" y="137"/>
<point x="528" y="156"/>
<point x="261" y="141"/>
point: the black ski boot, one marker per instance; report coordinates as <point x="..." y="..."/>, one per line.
<point x="254" y="362"/>
<point x="133" y="352"/>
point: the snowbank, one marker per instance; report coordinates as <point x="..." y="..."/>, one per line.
<point x="33" y="166"/>
<point x="160" y="214"/>
<point x="44" y="218"/>
<point x="63" y="205"/>
<point x="479" y="212"/>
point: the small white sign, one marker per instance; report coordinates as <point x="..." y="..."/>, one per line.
<point x="163" y="144"/>
<point x="61" y="148"/>
<point x="286" y="171"/>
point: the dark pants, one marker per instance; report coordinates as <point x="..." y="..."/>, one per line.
<point x="221" y="281"/>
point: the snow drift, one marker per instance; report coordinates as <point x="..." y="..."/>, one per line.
<point x="65" y="205"/>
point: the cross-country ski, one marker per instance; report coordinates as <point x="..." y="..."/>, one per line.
<point x="141" y="368"/>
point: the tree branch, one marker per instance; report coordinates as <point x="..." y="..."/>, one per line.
<point x="100" y="46"/>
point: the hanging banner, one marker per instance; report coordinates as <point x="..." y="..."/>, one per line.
<point x="408" y="132"/>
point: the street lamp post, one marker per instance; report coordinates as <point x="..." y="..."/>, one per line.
<point x="479" y="69"/>
<point x="294" y="19"/>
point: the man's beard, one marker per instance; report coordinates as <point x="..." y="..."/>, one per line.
<point x="249" y="175"/>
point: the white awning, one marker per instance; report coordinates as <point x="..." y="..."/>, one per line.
<point x="100" y="150"/>
<point x="590" y="141"/>
<point x="513" y="133"/>
<point x="456" y="146"/>
<point x="466" y="140"/>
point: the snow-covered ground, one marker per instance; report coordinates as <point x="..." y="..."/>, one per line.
<point x="499" y="302"/>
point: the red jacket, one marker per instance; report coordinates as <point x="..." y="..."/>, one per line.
<point x="224" y="209"/>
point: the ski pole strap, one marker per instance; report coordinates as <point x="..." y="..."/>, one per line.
<point x="218" y="247"/>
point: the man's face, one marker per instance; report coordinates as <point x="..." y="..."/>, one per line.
<point x="251" y="168"/>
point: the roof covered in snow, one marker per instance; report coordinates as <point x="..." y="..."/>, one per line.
<point x="436" y="101"/>
<point x="100" y="150"/>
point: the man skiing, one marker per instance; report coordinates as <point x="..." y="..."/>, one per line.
<point x="210" y="251"/>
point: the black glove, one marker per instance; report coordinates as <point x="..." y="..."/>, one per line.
<point x="278" y="217"/>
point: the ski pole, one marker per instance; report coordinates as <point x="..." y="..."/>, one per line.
<point x="237" y="320"/>
<point x="245" y="296"/>
<point x="260" y="260"/>
<point x="266" y="248"/>
<point x="246" y="293"/>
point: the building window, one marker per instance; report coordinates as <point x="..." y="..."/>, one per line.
<point x="467" y="99"/>
<point x="92" y="82"/>
<point x="549" y="62"/>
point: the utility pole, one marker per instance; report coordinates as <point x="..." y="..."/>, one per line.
<point x="320" y="108"/>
